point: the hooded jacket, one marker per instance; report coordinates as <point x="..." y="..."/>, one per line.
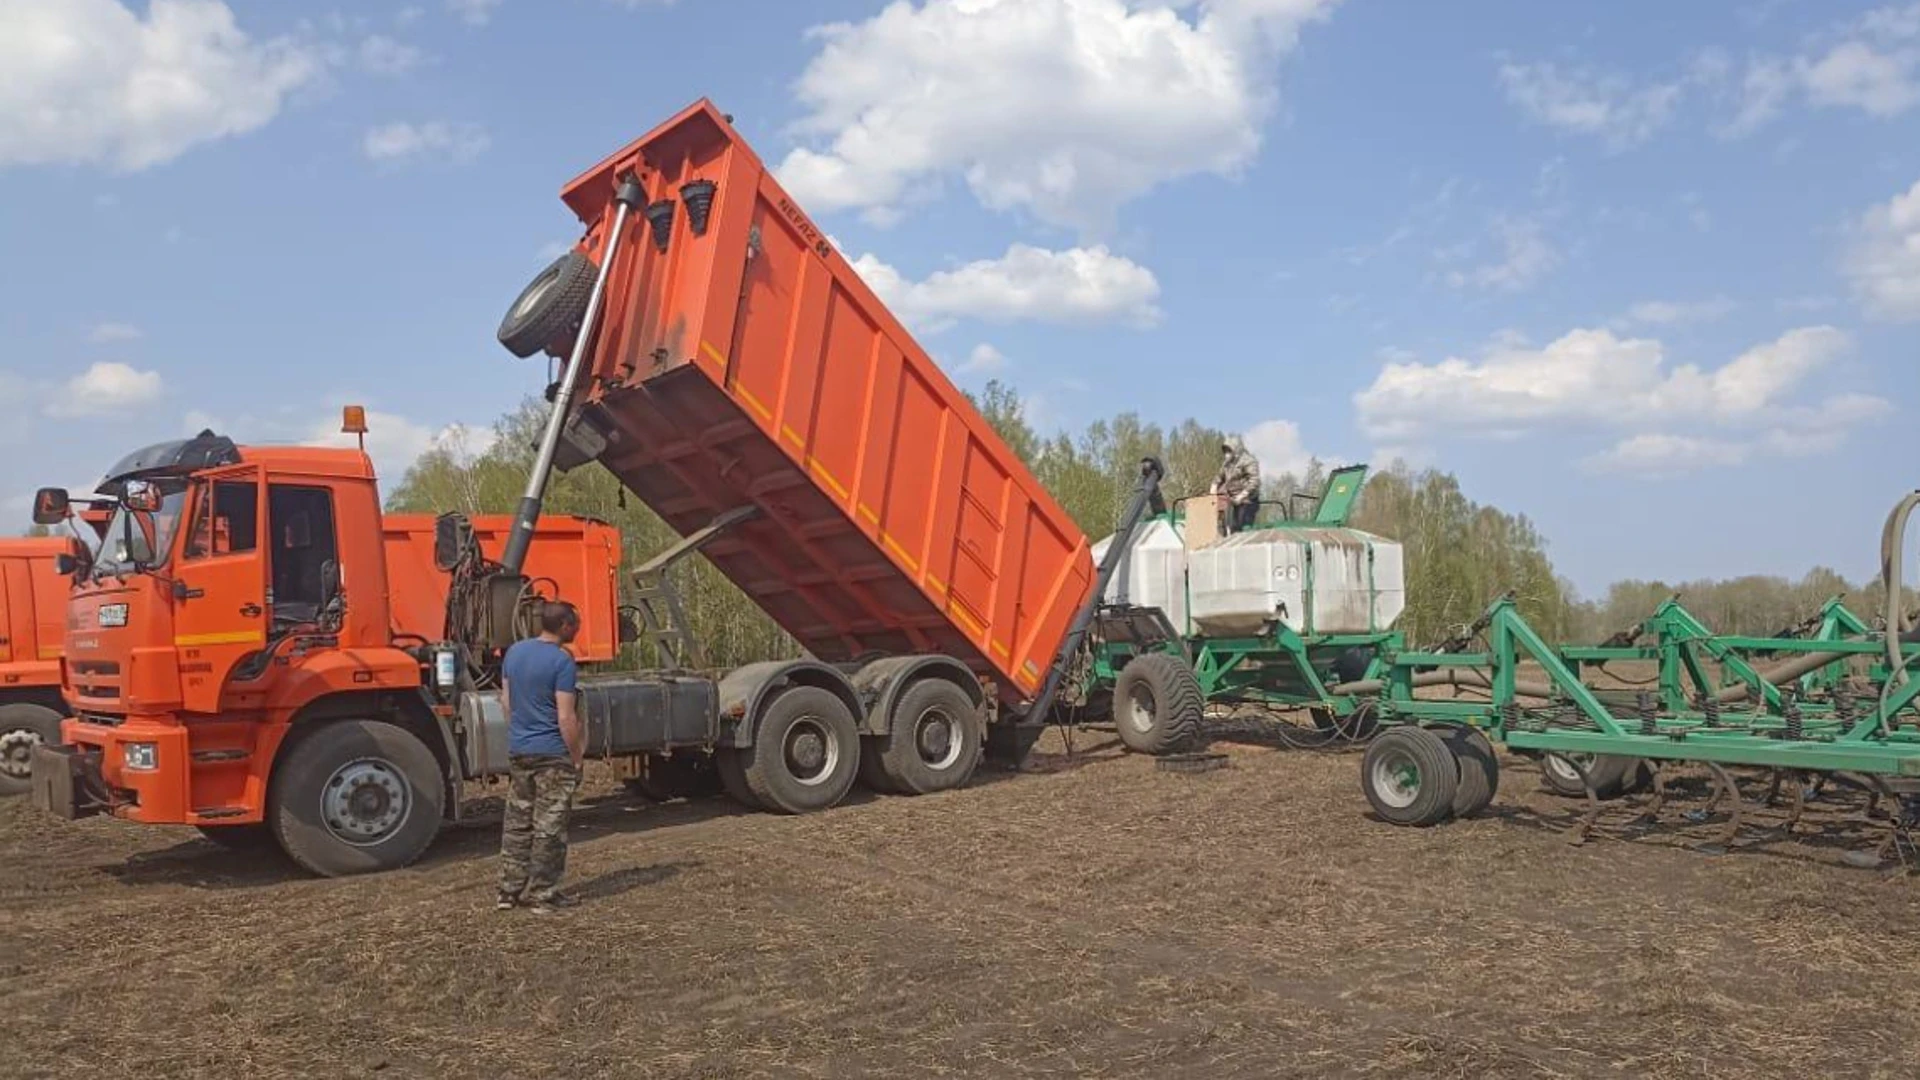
<point x="1239" y="476"/>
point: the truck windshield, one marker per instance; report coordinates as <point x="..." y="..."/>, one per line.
<point x="114" y="556"/>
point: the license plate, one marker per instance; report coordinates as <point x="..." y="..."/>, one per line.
<point x="113" y="615"/>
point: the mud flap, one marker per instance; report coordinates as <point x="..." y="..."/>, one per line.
<point x="1009" y="742"/>
<point x="67" y="782"/>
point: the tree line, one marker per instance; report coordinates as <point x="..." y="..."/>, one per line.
<point x="1460" y="554"/>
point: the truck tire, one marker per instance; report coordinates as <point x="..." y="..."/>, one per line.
<point x="1479" y="770"/>
<point x="1610" y="774"/>
<point x="1157" y="704"/>
<point x="731" y="764"/>
<point x="933" y="741"/>
<point x="550" y="308"/>
<point x="23" y="726"/>
<point x="805" y="752"/>
<point x="664" y="777"/>
<point x="239" y="837"/>
<point x="1410" y="777"/>
<point x="356" y="797"/>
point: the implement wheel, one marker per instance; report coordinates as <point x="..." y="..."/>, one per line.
<point x="1157" y="704"/>
<point x="933" y="742"/>
<point x="23" y="726"/>
<point x="1410" y="776"/>
<point x="356" y="796"/>
<point x="805" y="752"/>
<point x="1479" y="770"/>
<point x="1610" y="774"/>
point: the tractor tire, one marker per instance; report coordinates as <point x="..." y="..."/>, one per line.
<point x="1479" y="770"/>
<point x="549" y="310"/>
<point x="356" y="797"/>
<point x="730" y="764"/>
<point x="1351" y="665"/>
<point x="805" y="752"/>
<point x="244" y="838"/>
<point x="664" y="778"/>
<point x="1410" y="777"/>
<point x="1610" y="774"/>
<point x="23" y="726"/>
<point x="934" y="740"/>
<point x="1157" y="704"/>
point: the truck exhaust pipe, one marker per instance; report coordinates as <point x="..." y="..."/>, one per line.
<point x="628" y="198"/>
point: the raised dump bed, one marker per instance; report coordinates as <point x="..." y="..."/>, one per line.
<point x="741" y="362"/>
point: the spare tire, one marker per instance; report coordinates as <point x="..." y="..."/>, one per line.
<point x="550" y="308"/>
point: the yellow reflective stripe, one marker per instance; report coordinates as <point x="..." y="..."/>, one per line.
<point x="714" y="353"/>
<point x="223" y="637"/>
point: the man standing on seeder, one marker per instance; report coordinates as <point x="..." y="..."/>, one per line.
<point x="1239" y="481"/>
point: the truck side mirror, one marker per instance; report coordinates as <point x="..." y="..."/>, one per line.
<point x="50" y="506"/>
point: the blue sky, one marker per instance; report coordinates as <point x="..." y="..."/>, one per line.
<point x="1647" y="272"/>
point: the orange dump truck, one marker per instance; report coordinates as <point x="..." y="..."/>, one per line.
<point x="33" y="616"/>
<point x="732" y="371"/>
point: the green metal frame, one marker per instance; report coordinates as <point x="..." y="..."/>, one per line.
<point x="1678" y="727"/>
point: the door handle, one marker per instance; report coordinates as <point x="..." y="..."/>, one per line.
<point x="251" y="611"/>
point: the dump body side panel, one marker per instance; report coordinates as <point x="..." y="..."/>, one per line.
<point x="742" y="360"/>
<point x="33" y="611"/>
<point x="572" y="559"/>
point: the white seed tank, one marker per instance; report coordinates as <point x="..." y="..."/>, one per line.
<point x="1315" y="580"/>
<point x="1155" y="572"/>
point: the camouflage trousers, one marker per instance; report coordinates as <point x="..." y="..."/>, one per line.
<point x="533" y="834"/>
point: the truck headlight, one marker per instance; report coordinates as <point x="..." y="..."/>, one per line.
<point x="140" y="756"/>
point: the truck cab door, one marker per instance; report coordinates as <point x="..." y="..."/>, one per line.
<point x="220" y="585"/>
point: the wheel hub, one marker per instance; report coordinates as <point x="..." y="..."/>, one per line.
<point x="16" y="753"/>
<point x="811" y="752"/>
<point x="934" y="738"/>
<point x="365" y="801"/>
<point x="1140" y="709"/>
<point x="1396" y="779"/>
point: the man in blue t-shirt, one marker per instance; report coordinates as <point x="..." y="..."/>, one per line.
<point x="545" y="744"/>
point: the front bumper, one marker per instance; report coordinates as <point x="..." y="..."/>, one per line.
<point x="67" y="782"/>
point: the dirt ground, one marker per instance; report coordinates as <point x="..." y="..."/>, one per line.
<point x="1097" y="918"/>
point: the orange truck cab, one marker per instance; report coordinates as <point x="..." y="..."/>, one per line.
<point x="253" y="649"/>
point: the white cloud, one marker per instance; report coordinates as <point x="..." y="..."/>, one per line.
<point x="1677" y="312"/>
<point x="91" y="81"/>
<point x="108" y="333"/>
<point x="1525" y="257"/>
<point x="473" y="12"/>
<point x="1078" y="285"/>
<point x="436" y="139"/>
<point x="1668" y="454"/>
<point x="1871" y="63"/>
<point x="1584" y="102"/>
<point x="1064" y="108"/>
<point x="1884" y="262"/>
<point x="1591" y="377"/>
<point x="104" y="388"/>
<point x="1278" y="447"/>
<point x="383" y="55"/>
<point x="984" y="360"/>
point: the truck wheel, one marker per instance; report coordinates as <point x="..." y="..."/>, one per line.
<point x="355" y="797"/>
<point x="731" y="765"/>
<point x="933" y="741"/>
<point x="805" y="752"/>
<point x="23" y="726"/>
<point x="239" y="837"/>
<point x="1157" y="704"/>
<point x="550" y="307"/>
<point x="1479" y="770"/>
<point x="664" y="777"/>
<point x="872" y="775"/>
<point x="1610" y="774"/>
<point x="1410" y="777"/>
